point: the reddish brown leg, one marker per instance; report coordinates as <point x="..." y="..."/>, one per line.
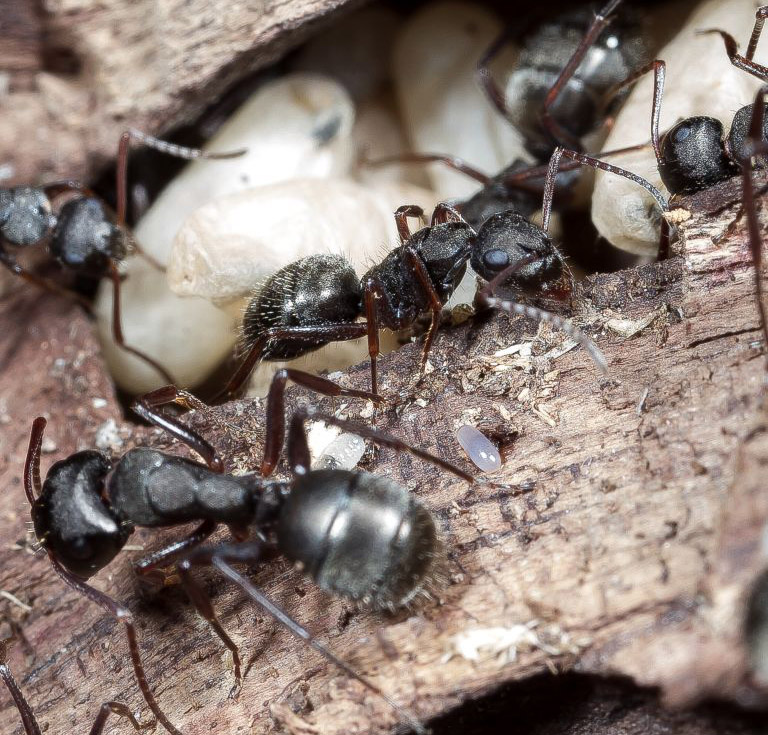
<point x="32" y="484"/>
<point x="321" y="334"/>
<point x="298" y="449"/>
<point x="760" y="15"/>
<point x="117" y="327"/>
<point x="203" y="604"/>
<point x="750" y="208"/>
<point x="124" y="616"/>
<point x="148" y="407"/>
<point x="745" y="63"/>
<point x="401" y="219"/>
<point x="163" y="146"/>
<point x="25" y="711"/>
<point x="435" y="305"/>
<point x="275" y="428"/>
<point x="558" y="133"/>
<point x="659" y="69"/>
<point x="486" y="80"/>
<point x="10" y="263"/>
<point x="373" y="291"/>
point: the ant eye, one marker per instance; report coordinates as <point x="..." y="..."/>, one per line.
<point x="495" y="260"/>
<point x="682" y="133"/>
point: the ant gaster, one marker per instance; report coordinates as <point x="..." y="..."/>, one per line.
<point x="84" y="236"/>
<point x="318" y="299"/>
<point x="384" y="553"/>
<point x="31" y="726"/>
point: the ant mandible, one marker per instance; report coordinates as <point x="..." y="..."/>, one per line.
<point x="88" y="507"/>
<point x="31" y="726"/>
<point x="85" y="236"/>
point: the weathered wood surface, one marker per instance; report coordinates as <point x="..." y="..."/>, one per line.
<point x="634" y="550"/>
<point x="78" y="72"/>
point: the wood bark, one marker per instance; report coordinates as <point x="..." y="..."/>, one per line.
<point x="630" y="541"/>
<point x="78" y="72"/>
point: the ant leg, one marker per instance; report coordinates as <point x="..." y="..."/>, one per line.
<point x="12" y="265"/>
<point x="454" y="162"/>
<point x="169" y="554"/>
<point x="316" y="336"/>
<point x="124" y="616"/>
<point x="745" y="63"/>
<point x="600" y="22"/>
<point x="750" y="209"/>
<point x="435" y="305"/>
<point x="760" y="15"/>
<point x="275" y="410"/>
<point x="148" y="407"/>
<point x="373" y="291"/>
<point x="25" y="711"/>
<point x="32" y="484"/>
<point x="401" y="219"/>
<point x="554" y="163"/>
<point x="203" y="605"/>
<point x="659" y="69"/>
<point x="163" y="146"/>
<point x="298" y="449"/>
<point x="117" y="327"/>
<point x="223" y="556"/>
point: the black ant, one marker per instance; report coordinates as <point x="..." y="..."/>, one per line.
<point x="31" y="727"/>
<point x="563" y="84"/>
<point x="318" y="299"/>
<point x="84" y="236"/>
<point x="89" y="505"/>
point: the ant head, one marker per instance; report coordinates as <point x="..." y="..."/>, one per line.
<point x="359" y="535"/>
<point x="318" y="289"/>
<point x="25" y="215"/>
<point x="508" y="238"/>
<point x="693" y="156"/>
<point x="86" y="237"/>
<point x="72" y="520"/>
<point x="444" y="249"/>
<point x="739" y="132"/>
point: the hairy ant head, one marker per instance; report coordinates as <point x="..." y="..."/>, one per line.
<point x="86" y="237"/>
<point x="72" y="520"/>
<point x="693" y="156"/>
<point x="506" y="239"/>
<point x="315" y="290"/>
<point x="25" y="215"/>
<point x="359" y="535"/>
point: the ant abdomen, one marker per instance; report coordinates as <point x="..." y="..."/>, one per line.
<point x="25" y="215"/>
<point x="71" y="519"/>
<point x="150" y="488"/>
<point x="507" y="238"/>
<point x="86" y="238"/>
<point x="693" y="156"/>
<point x="318" y="289"/>
<point x="360" y="536"/>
